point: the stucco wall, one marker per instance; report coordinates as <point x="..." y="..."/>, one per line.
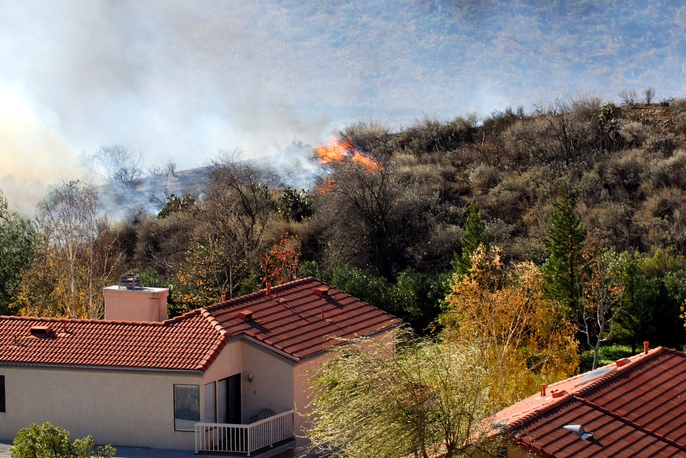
<point x="226" y="364"/>
<point x="118" y="407"/>
<point x="272" y="385"/>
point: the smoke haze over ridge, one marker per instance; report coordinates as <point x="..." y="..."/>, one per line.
<point x="181" y="80"/>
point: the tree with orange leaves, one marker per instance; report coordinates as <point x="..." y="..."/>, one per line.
<point x="281" y="263"/>
<point x="526" y="336"/>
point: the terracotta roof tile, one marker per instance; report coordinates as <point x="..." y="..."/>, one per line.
<point x="638" y="409"/>
<point x="293" y="319"/>
<point x="297" y="321"/>
<point x="112" y="343"/>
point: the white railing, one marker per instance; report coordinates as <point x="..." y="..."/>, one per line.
<point x="231" y="438"/>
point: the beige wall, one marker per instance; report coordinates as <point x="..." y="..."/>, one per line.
<point x="304" y="372"/>
<point x="229" y="362"/>
<point x="136" y="408"/>
<point x="118" y="407"/>
<point x="272" y="385"/>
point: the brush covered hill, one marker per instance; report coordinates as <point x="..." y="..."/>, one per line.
<point x="624" y="167"/>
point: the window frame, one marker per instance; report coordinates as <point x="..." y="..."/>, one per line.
<point x="193" y="411"/>
<point x="2" y="394"/>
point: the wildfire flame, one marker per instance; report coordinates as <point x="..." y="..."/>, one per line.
<point x="341" y="150"/>
<point x="327" y="186"/>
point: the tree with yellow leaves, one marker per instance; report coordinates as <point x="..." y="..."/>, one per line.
<point x="412" y="397"/>
<point x="527" y="337"/>
<point x="78" y="256"/>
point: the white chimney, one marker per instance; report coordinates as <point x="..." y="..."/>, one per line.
<point x="129" y="302"/>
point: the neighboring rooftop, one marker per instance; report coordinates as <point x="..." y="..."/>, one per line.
<point x="297" y="319"/>
<point x="634" y="407"/>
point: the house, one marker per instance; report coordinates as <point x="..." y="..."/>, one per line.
<point x="634" y="407"/>
<point x="226" y="377"/>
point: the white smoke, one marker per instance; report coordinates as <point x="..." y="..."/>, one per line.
<point x="182" y="80"/>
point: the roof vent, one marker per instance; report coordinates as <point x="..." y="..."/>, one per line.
<point x="557" y="393"/>
<point x="579" y="431"/>
<point x="244" y="315"/>
<point x="41" y="331"/>
<point x="321" y="291"/>
<point x="622" y="362"/>
<point x="130" y="281"/>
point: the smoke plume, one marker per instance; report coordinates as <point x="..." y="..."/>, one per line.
<point x="182" y="80"/>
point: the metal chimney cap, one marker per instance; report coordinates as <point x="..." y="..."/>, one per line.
<point x="130" y="281"/>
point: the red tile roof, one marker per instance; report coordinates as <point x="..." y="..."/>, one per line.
<point x="188" y="342"/>
<point x="635" y="408"/>
<point x="299" y="320"/>
<point x="293" y="320"/>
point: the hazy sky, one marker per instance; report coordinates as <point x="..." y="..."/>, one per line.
<point x="182" y="80"/>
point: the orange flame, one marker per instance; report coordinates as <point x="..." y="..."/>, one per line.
<point x="339" y="150"/>
<point x="328" y="185"/>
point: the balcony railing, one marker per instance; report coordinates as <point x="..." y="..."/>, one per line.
<point x="231" y="438"/>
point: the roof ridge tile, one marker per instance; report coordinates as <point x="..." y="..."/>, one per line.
<point x="619" y="370"/>
<point x="578" y="392"/>
<point x="258" y="293"/>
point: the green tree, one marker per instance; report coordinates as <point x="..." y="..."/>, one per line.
<point x="665" y="270"/>
<point x="19" y="243"/>
<point x="601" y="298"/>
<point x="564" y="241"/>
<point x="415" y="297"/>
<point x="415" y="397"/>
<point x="475" y="234"/>
<point x="369" y="288"/>
<point x="635" y="323"/>
<point x="204" y="276"/>
<point x="295" y="205"/>
<point x="176" y="204"/>
<point x="48" y="441"/>
<point x="418" y="298"/>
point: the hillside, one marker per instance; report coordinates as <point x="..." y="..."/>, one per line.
<point x="623" y="166"/>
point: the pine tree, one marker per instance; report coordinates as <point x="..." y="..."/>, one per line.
<point x="475" y="234"/>
<point x="564" y="240"/>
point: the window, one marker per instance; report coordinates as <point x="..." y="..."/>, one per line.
<point x="210" y="403"/>
<point x="186" y="407"/>
<point x="2" y="393"/>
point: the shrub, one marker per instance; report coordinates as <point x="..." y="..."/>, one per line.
<point x="662" y="218"/>
<point x="484" y="177"/>
<point x="662" y="143"/>
<point x="48" y="441"/>
<point x="607" y="355"/>
<point x="623" y="173"/>
<point x="663" y="173"/>
<point x="633" y="133"/>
